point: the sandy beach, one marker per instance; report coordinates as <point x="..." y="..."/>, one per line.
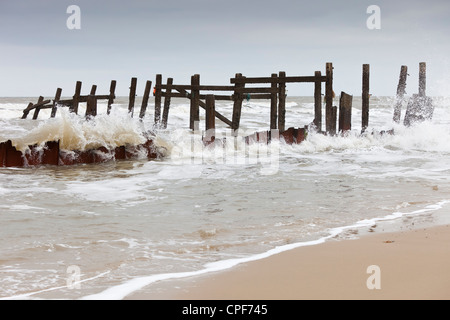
<point x="410" y="264"/>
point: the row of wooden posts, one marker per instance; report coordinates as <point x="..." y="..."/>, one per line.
<point x="272" y="88"/>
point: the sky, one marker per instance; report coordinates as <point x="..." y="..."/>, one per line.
<point x="118" y="40"/>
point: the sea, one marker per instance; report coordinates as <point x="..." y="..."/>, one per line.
<point x="109" y="230"/>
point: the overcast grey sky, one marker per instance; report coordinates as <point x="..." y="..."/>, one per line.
<point x="177" y="38"/>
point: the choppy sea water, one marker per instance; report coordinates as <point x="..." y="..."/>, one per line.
<point x="106" y="230"/>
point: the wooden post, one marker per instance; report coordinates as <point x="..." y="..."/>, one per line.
<point x="345" y="112"/>
<point x="55" y="102"/>
<point x="329" y="98"/>
<point x="165" y="115"/>
<point x="148" y="87"/>
<point x="210" y="123"/>
<point x="112" y="96"/>
<point x="26" y="111"/>
<point x="132" y="96"/>
<point x="422" y="79"/>
<point x="76" y="98"/>
<point x="365" y="97"/>
<point x="158" y="84"/>
<point x="37" y="109"/>
<point x="195" y="103"/>
<point x="282" y="102"/>
<point x="273" y="105"/>
<point x="333" y="122"/>
<point x="400" y="93"/>
<point x="91" y="104"/>
<point x="237" y="106"/>
<point x="318" y="101"/>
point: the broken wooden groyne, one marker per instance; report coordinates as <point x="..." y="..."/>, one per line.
<point x="273" y="88"/>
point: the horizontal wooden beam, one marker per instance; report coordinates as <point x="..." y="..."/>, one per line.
<point x="278" y="79"/>
<point x="200" y="87"/>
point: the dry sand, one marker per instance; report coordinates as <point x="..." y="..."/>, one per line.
<point x="412" y="264"/>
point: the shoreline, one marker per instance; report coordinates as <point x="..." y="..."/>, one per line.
<point x="407" y="264"/>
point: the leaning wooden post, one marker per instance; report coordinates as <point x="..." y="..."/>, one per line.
<point x="38" y="108"/>
<point x="167" y="97"/>
<point x="194" y="103"/>
<point x="422" y="79"/>
<point x="132" y="96"/>
<point x="148" y="87"/>
<point x="91" y="104"/>
<point x="210" y="123"/>
<point x="273" y="104"/>
<point x="112" y="96"/>
<point x="157" y="94"/>
<point x="55" y="102"/>
<point x="318" y="101"/>
<point x="329" y="98"/>
<point x="365" y="97"/>
<point x="26" y="111"/>
<point x="345" y="112"/>
<point x="237" y="106"/>
<point x="281" y="102"/>
<point x="76" y="98"/>
<point x="400" y="93"/>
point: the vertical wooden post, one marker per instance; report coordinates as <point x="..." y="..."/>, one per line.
<point x="148" y="87"/>
<point x="91" y="104"/>
<point x="158" y="84"/>
<point x="329" y="94"/>
<point x="281" y="102"/>
<point x="37" y="109"/>
<point x="210" y="123"/>
<point x="318" y="101"/>
<point x="112" y="95"/>
<point x="76" y="98"/>
<point x="345" y="112"/>
<point x="165" y="115"/>
<point x="273" y="104"/>
<point x="237" y="106"/>
<point x="195" y="103"/>
<point x="55" y="102"/>
<point x="400" y="93"/>
<point x="422" y="79"/>
<point x="333" y="122"/>
<point x="132" y="96"/>
<point x="365" y="97"/>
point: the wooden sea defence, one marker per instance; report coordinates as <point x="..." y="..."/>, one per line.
<point x="338" y="119"/>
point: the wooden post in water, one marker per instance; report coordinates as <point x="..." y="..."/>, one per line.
<point x="91" y="103"/>
<point x="281" y="102"/>
<point x="112" y="96"/>
<point x="132" y="96"/>
<point x="273" y="105"/>
<point x="400" y="93"/>
<point x="365" y="97"/>
<point x="329" y="99"/>
<point x="345" y="112"/>
<point x="55" y="102"/>
<point x="210" y="123"/>
<point x="318" y="101"/>
<point x="37" y="109"/>
<point x="158" y="84"/>
<point x="167" y="97"/>
<point x="76" y="98"/>
<point x="333" y="122"/>
<point x="237" y="106"/>
<point x="422" y="79"/>
<point x="148" y="87"/>
<point x="195" y="103"/>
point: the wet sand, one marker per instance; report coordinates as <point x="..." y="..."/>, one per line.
<point x="412" y="264"/>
